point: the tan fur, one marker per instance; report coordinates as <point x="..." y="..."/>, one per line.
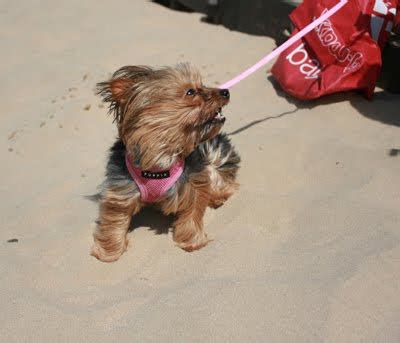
<point x="158" y="123"/>
<point x="110" y="237"/>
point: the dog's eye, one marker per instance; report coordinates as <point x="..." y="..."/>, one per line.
<point x="191" y="92"/>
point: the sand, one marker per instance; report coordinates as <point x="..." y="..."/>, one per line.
<point x="307" y="251"/>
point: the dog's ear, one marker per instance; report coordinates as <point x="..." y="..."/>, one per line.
<point x="121" y="88"/>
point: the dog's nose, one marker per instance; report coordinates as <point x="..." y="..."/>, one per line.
<point x="224" y="93"/>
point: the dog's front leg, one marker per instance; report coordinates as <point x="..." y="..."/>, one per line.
<point x="188" y="231"/>
<point x="110" y="237"/>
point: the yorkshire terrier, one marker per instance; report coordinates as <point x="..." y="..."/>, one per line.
<point x="169" y="154"/>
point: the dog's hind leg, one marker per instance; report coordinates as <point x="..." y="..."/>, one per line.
<point x="188" y="227"/>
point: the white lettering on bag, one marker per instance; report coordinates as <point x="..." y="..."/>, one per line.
<point x="343" y="54"/>
<point x="310" y="68"/>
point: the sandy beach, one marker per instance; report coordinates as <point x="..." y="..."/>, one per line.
<point x="308" y="250"/>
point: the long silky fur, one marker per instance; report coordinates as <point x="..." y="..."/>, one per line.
<point x="158" y="124"/>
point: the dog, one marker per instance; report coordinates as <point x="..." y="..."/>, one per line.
<point x="169" y="154"/>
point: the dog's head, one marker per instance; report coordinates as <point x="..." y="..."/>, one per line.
<point x="163" y="114"/>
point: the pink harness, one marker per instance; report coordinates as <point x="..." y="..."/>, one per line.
<point x="154" y="184"/>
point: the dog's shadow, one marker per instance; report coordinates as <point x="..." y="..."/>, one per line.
<point x="154" y="220"/>
<point x="148" y="217"/>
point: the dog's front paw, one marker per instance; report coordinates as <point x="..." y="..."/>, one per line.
<point x="198" y="242"/>
<point x="106" y="255"/>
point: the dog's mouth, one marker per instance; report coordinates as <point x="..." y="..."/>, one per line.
<point x="218" y="117"/>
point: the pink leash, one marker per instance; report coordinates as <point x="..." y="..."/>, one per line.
<point x="284" y="46"/>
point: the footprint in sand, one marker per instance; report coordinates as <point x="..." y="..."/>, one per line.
<point x="71" y="90"/>
<point x="12" y="240"/>
<point x="12" y="135"/>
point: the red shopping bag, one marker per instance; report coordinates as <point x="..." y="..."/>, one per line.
<point x="339" y="55"/>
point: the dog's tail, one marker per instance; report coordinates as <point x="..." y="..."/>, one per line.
<point x="221" y="156"/>
<point x="223" y="161"/>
